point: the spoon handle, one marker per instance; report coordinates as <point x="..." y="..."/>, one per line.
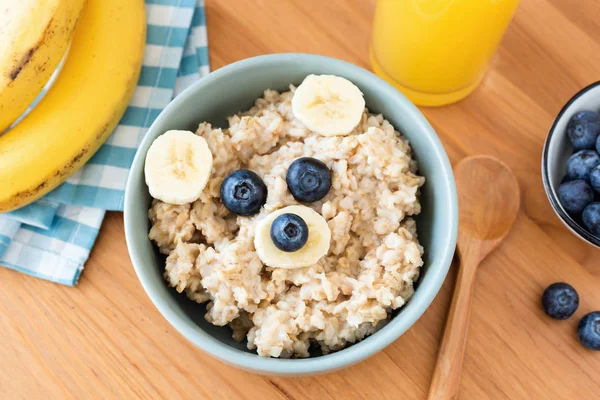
<point x="446" y="375"/>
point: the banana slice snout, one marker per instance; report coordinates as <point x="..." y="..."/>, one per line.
<point x="316" y="247"/>
<point x="328" y="104"/>
<point x="178" y="166"/>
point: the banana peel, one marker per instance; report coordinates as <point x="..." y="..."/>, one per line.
<point x="34" y="37"/>
<point x="83" y="106"/>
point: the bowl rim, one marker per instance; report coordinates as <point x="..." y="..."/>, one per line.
<point x="566" y="219"/>
<point x="360" y="350"/>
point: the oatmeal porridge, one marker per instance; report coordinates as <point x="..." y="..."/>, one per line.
<point x="362" y="253"/>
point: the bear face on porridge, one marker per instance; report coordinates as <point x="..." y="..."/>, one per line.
<point x="294" y="224"/>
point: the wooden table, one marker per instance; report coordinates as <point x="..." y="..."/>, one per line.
<point x="104" y="338"/>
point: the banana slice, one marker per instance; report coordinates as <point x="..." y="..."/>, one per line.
<point x="328" y="104"/>
<point x="316" y="247"/>
<point x="178" y="166"/>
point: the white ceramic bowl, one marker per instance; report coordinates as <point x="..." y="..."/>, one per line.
<point x="557" y="151"/>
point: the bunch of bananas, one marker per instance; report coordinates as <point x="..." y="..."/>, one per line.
<point x="105" y="42"/>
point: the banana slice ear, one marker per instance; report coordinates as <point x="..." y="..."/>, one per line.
<point x="178" y="167"/>
<point x="319" y="237"/>
<point x="328" y="104"/>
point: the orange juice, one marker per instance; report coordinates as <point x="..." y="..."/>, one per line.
<point x="436" y="51"/>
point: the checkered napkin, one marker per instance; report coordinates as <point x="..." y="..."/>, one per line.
<point x="52" y="238"/>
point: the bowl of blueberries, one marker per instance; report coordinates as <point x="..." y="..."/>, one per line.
<point x="571" y="164"/>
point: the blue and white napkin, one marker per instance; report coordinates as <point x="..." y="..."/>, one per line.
<point x="52" y="238"/>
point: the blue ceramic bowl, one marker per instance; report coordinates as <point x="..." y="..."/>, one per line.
<point x="235" y="88"/>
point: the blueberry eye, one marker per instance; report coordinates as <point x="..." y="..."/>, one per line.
<point x="308" y="179"/>
<point x="289" y="232"/>
<point x="243" y="192"/>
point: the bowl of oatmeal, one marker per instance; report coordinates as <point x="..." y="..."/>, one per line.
<point x="291" y="214"/>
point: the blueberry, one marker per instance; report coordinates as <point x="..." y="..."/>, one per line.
<point x="583" y="130"/>
<point x="588" y="330"/>
<point x="308" y="179"/>
<point x="581" y="163"/>
<point x="560" y="300"/>
<point x="289" y="232"/>
<point x="243" y="192"/>
<point x="575" y="196"/>
<point x="595" y="178"/>
<point x="591" y="218"/>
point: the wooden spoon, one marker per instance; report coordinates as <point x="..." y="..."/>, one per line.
<point x="488" y="200"/>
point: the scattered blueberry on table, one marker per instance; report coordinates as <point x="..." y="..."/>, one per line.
<point x="588" y="330"/>
<point x="308" y="179"/>
<point x="289" y="232"/>
<point x="560" y="300"/>
<point x="243" y="192"/>
<point x="583" y="130"/>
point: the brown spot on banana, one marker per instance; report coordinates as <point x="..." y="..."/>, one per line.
<point x="26" y="58"/>
<point x="102" y="131"/>
<point x="42" y="67"/>
<point x="67" y="169"/>
<point x="14" y="73"/>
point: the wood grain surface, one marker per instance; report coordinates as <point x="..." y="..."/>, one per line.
<point x="104" y="339"/>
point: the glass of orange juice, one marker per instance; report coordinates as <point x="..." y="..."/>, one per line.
<point x="437" y="51"/>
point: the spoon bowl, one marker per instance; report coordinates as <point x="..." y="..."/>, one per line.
<point x="488" y="199"/>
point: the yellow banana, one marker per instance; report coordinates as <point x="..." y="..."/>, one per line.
<point x="34" y="36"/>
<point x="83" y="106"/>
